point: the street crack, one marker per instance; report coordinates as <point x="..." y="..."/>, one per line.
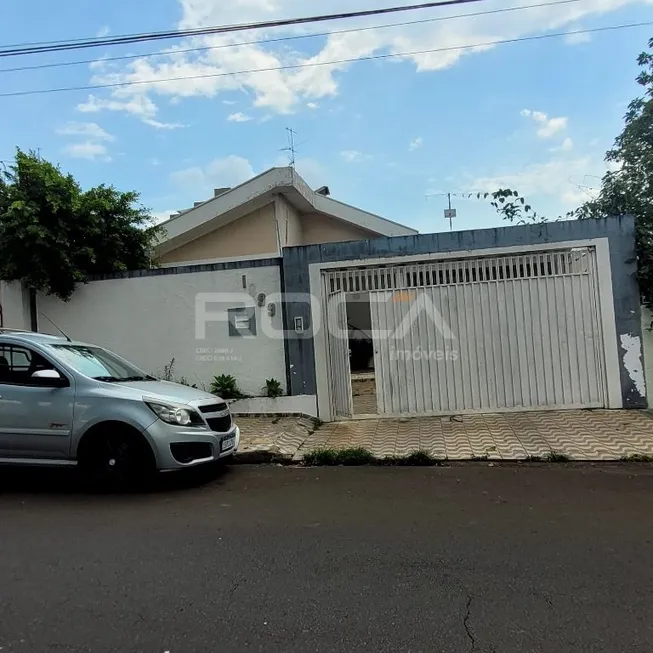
<point x="468" y="614"/>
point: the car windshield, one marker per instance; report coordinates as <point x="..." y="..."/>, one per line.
<point x="99" y="364"/>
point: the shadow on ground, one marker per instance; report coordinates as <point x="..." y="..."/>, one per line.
<point x="36" y="480"/>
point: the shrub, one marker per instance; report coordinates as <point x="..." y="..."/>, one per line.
<point x="273" y="388"/>
<point x="556" y="457"/>
<point x="226" y="387"/>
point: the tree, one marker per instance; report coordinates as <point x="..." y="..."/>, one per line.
<point x="54" y="235"/>
<point x="626" y="189"/>
<point x="512" y="206"/>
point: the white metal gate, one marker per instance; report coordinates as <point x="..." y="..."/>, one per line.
<point x="495" y="333"/>
<point x="338" y="350"/>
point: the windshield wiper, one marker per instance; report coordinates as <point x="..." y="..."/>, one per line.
<point x="107" y="379"/>
<point x="138" y="378"/>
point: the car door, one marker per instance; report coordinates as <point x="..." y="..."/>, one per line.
<point x="35" y="420"/>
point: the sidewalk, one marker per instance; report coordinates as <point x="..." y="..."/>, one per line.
<point x="578" y="434"/>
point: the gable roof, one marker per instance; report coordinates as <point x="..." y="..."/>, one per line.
<point x="236" y="202"/>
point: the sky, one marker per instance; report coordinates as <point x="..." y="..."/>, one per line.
<point x="389" y="135"/>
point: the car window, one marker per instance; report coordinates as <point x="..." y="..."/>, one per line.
<point x="98" y="363"/>
<point x="17" y="364"/>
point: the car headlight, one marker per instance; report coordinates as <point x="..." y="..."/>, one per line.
<point x="175" y="415"/>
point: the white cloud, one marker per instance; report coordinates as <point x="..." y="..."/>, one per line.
<point x="312" y="105"/>
<point x="90" y="130"/>
<point x="416" y="143"/>
<point x="228" y="102"/>
<point x="239" y="117"/>
<point x="561" y="179"/>
<point x="548" y="126"/>
<point x="353" y="156"/>
<point x="138" y="105"/>
<point x="282" y="91"/>
<point x="228" y="171"/>
<point x="566" y="146"/>
<point x="87" y="150"/>
<point x="103" y="31"/>
<point x="576" y="39"/>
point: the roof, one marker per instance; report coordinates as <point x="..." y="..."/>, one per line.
<point x="256" y="192"/>
<point x="16" y="335"/>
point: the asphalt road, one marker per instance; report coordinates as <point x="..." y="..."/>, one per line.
<point x="465" y="559"/>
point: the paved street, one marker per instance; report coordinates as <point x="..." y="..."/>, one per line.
<point x="461" y="559"/>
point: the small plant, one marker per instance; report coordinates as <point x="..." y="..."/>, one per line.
<point x="533" y="459"/>
<point x="355" y="457"/>
<point x="184" y="381"/>
<point x="556" y="457"/>
<point x="418" y="458"/>
<point x="273" y="388"/>
<point x="226" y="387"/>
<point x="321" y="457"/>
<point x="482" y="458"/>
<point x="637" y="458"/>
<point x="169" y="371"/>
<point x="332" y="457"/>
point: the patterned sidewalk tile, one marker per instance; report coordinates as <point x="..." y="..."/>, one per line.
<point x="581" y="435"/>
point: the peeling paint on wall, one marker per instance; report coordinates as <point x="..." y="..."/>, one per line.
<point x="632" y="345"/>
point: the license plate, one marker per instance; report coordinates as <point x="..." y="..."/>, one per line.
<point x="228" y="443"/>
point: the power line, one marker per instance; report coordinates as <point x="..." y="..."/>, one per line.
<point x="33" y="48"/>
<point x="93" y="87"/>
<point x="60" y="64"/>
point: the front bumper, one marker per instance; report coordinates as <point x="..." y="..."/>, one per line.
<point x="206" y="445"/>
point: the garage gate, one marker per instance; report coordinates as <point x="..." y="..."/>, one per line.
<point x="482" y="334"/>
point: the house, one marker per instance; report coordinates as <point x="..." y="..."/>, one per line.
<point x="261" y="217"/>
<point x="532" y="317"/>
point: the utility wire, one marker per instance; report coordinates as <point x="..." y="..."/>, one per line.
<point x="31" y="48"/>
<point x="538" y="37"/>
<point x="285" y="38"/>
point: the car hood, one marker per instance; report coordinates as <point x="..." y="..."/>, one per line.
<point x="166" y="390"/>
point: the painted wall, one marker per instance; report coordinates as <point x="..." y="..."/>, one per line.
<point x="290" y="226"/>
<point x="647" y="340"/>
<point x="252" y="234"/>
<point x="618" y="230"/>
<point x="14" y="301"/>
<point x="320" y="228"/>
<point x="150" y="318"/>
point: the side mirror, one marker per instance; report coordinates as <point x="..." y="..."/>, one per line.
<point x="50" y="379"/>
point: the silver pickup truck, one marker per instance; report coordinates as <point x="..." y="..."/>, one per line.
<point x="71" y="403"/>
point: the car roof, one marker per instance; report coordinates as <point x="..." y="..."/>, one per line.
<point x="26" y="337"/>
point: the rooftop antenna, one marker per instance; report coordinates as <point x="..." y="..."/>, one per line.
<point x="291" y="149"/>
<point x="61" y="331"/>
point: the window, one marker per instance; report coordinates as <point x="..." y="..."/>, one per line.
<point x="17" y="364"/>
<point x="99" y="363"/>
<point x="242" y="321"/>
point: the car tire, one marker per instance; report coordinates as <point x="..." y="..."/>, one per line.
<point x="115" y="459"/>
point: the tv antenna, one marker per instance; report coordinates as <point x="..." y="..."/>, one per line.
<point x="291" y="149"/>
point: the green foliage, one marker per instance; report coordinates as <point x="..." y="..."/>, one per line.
<point x="556" y="457"/>
<point x="169" y="375"/>
<point x="512" y="206"/>
<point x="626" y="187"/>
<point x="358" y="456"/>
<point x="273" y="388"/>
<point x="637" y="458"/>
<point x="226" y="387"/>
<point x="54" y="235"/>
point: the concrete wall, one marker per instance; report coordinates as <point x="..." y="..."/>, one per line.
<point x="149" y="317"/>
<point x="320" y="228"/>
<point x="290" y="226"/>
<point x="647" y="340"/>
<point x="248" y="236"/>
<point x="14" y="302"/>
<point x="619" y="232"/>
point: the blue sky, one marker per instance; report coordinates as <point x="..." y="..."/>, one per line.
<point x="383" y="135"/>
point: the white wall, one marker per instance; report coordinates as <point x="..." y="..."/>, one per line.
<point x="647" y="339"/>
<point x="14" y="301"/>
<point x="150" y="320"/>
